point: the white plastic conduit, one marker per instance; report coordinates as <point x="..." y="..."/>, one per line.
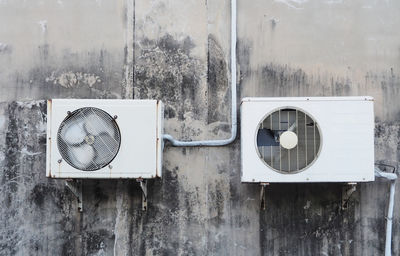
<point x="221" y="142"/>
<point x="392" y="177"/>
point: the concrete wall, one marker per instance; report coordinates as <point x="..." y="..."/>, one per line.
<point x="178" y="51"/>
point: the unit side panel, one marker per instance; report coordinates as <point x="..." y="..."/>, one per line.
<point x="160" y="141"/>
<point x="48" y="139"/>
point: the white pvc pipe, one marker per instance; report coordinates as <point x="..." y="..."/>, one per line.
<point x="389" y="220"/>
<point x="221" y="142"/>
<point x="386" y="175"/>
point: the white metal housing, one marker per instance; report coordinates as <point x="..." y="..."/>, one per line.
<point x="347" y="139"/>
<point x="140" y="123"/>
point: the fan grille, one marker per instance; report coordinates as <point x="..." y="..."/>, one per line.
<point x="88" y="139"/>
<point x="279" y="158"/>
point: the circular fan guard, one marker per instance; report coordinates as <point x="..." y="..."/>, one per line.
<point x="88" y="139"/>
<point x="275" y="154"/>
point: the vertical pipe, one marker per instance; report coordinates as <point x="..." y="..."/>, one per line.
<point x="392" y="178"/>
<point x="389" y="219"/>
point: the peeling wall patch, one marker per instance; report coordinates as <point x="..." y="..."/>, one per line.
<point x="74" y="79"/>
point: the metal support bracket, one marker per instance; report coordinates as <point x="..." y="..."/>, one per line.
<point x="143" y="186"/>
<point x="262" y="195"/>
<point x="347" y="191"/>
<point x="76" y="188"/>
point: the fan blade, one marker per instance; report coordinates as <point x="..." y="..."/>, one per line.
<point x="73" y="133"/>
<point x="266" y="137"/>
<point x="105" y="147"/>
<point x="292" y="127"/>
<point x="82" y="155"/>
<point x="95" y="125"/>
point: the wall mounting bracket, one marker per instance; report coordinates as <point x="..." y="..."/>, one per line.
<point x="262" y="195"/>
<point x="76" y="188"/>
<point x="347" y="191"/>
<point x="143" y="186"/>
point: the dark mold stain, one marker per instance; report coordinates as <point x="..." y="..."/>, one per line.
<point x="222" y="127"/>
<point x="280" y="81"/>
<point x="38" y="194"/>
<point x="283" y="80"/>
<point x="216" y="197"/>
<point x="387" y="133"/>
<point x="99" y="195"/>
<point x="217" y="79"/>
<point x="387" y="82"/>
<point x="44" y="52"/>
<point x="301" y="217"/>
<point x="12" y="154"/>
<point x="35" y="247"/>
<point x="171" y="189"/>
<point x="169" y="44"/>
<point x="169" y="112"/>
<point x="68" y="248"/>
<point x="97" y="241"/>
<point x="243" y="49"/>
<point x="165" y="69"/>
<point x="128" y="67"/>
<point x="46" y="192"/>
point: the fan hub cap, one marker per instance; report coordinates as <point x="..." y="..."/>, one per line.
<point x="288" y="139"/>
<point x="89" y="139"/>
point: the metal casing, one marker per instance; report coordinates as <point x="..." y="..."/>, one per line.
<point x="141" y="125"/>
<point x="347" y="133"/>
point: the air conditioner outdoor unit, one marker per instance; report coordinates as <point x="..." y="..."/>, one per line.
<point x="315" y="139"/>
<point x="104" y="139"/>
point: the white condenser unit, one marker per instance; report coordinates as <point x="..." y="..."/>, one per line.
<point x="315" y="139"/>
<point x="104" y="139"/>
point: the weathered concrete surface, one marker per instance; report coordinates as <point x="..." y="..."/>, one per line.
<point x="178" y="51"/>
<point x="61" y="49"/>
